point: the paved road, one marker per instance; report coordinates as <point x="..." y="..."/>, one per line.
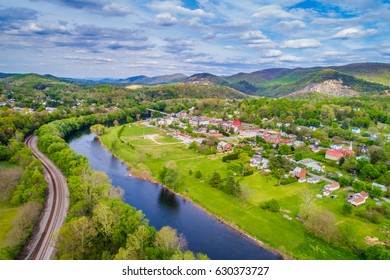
<point x="56" y="207"/>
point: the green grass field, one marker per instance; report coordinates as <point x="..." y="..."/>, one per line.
<point x="288" y="236"/>
<point x="7" y="211"/>
<point x="7" y="214"/>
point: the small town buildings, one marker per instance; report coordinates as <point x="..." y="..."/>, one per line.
<point x="259" y="162"/>
<point x="272" y="137"/>
<point x="326" y="193"/>
<point x="311" y="164"/>
<point x="224" y="147"/>
<point x="356" y="130"/>
<point x="333" y="154"/>
<point x="332" y="187"/>
<point x="313" y="180"/>
<point x="357" y="199"/>
<point x="382" y="187"/>
<point x="299" y="173"/>
<point x="298" y="144"/>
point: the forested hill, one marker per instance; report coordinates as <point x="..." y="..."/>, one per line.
<point x="346" y="80"/>
<point x="34" y="91"/>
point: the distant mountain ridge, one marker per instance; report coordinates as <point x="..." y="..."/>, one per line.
<point x="345" y="80"/>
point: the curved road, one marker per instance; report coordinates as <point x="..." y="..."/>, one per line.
<point x="57" y="202"/>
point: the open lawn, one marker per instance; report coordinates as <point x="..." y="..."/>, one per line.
<point x="7" y="211"/>
<point x="7" y="214"/>
<point x="288" y="236"/>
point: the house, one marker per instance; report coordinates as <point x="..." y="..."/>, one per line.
<point x="382" y="187"/>
<point x="326" y="193"/>
<point x="299" y="144"/>
<point x="356" y="130"/>
<point x="299" y="172"/>
<point x="237" y="123"/>
<point x="357" y="199"/>
<point x="247" y="134"/>
<point x="311" y="164"/>
<point x="333" y="154"/>
<point x="313" y="180"/>
<point x="224" y="147"/>
<point x="259" y="162"/>
<point x="332" y="187"/>
<point x="272" y="137"/>
<point x="255" y="161"/>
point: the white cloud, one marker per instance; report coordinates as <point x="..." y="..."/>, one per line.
<point x="256" y="39"/>
<point x="301" y="44"/>
<point x="177" y="9"/>
<point x="290" y="58"/>
<point x="292" y="24"/>
<point x="353" y="33"/>
<point x="165" y="19"/>
<point x="272" y="53"/>
<point x="272" y="12"/>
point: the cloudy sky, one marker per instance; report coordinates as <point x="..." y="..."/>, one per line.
<point x="122" y="38"/>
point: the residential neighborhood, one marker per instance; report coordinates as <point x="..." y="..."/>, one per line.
<point x="230" y="135"/>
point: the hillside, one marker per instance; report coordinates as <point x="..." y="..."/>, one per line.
<point x="371" y="72"/>
<point x="205" y="79"/>
<point x="346" y="80"/>
<point x="174" y="91"/>
<point x="145" y="80"/>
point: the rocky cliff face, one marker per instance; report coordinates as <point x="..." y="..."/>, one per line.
<point x="332" y="87"/>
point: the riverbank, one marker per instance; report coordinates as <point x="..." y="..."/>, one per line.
<point x="141" y="175"/>
<point x="147" y="177"/>
<point x="270" y="230"/>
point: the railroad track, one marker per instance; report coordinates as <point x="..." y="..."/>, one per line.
<point x="56" y="206"/>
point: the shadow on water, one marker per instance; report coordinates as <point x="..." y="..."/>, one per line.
<point x="168" y="199"/>
<point x="161" y="207"/>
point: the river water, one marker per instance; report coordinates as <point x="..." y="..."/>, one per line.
<point x="161" y="207"/>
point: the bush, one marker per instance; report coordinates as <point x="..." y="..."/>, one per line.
<point x="230" y="157"/>
<point x="347" y="209"/>
<point x="247" y="172"/>
<point x="288" y="180"/>
<point x="198" y="174"/>
<point x="271" y="205"/>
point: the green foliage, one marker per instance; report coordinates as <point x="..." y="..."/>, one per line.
<point x="284" y="149"/>
<point x="198" y="174"/>
<point x="347" y="209"/>
<point x="230" y="157"/>
<point x="32" y="186"/>
<point x="170" y="177"/>
<point x="271" y="205"/>
<point x="377" y="252"/>
<point x="215" y="180"/>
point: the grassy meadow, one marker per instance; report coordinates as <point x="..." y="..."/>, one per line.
<point x="133" y="144"/>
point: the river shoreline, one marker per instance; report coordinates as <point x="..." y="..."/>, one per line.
<point x="234" y="227"/>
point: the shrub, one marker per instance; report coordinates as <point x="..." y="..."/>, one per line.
<point x="271" y="205"/>
<point x="198" y="174"/>
<point x="230" y="157"/>
<point x="347" y="209"/>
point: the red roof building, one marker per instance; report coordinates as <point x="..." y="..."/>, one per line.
<point x="237" y="123"/>
<point x="333" y="154"/>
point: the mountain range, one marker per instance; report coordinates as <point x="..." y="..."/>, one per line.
<point x="346" y="80"/>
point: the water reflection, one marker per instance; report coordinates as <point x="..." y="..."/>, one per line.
<point x="168" y="199"/>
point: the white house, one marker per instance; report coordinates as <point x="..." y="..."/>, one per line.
<point x="332" y="187"/>
<point x="358" y="199"/>
<point x="356" y="130"/>
<point x="312" y="164"/>
<point x="382" y="187"/>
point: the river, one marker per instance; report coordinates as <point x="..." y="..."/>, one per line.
<point x="161" y="207"/>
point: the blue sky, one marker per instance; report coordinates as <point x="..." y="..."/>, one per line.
<point x="122" y="38"/>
